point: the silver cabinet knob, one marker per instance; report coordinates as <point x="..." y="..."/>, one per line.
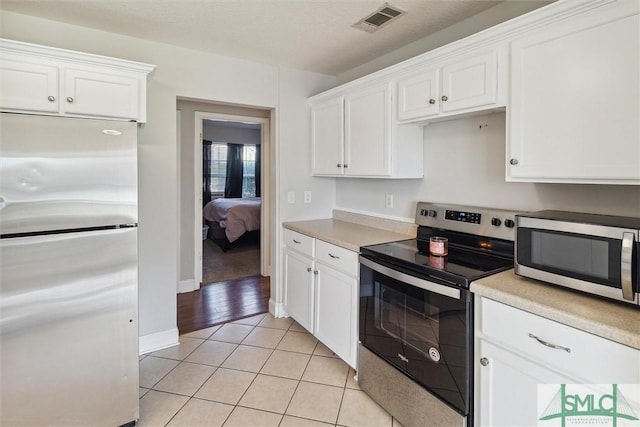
<point x="484" y="361"/>
<point x="309" y="269"/>
<point x="69" y="99"/>
<point x="513" y="162"/>
<point x="51" y="98"/>
<point x="315" y="272"/>
<point x="338" y="165"/>
<point x="444" y="97"/>
<point x="432" y="101"/>
<point x="345" y="165"/>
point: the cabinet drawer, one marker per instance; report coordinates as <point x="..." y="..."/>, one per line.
<point x="337" y="257"/>
<point x="298" y="242"/>
<point x="591" y="358"/>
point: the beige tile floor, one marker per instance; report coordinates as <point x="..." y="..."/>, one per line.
<point x="259" y="371"/>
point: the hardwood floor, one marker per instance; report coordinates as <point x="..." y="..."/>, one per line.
<point x="222" y="302"/>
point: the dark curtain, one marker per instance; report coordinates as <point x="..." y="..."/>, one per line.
<point x="258" y="169"/>
<point x="233" y="185"/>
<point x="206" y="172"/>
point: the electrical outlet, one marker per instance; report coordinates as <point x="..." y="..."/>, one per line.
<point x="291" y="197"/>
<point x="307" y="196"/>
<point x="388" y="201"/>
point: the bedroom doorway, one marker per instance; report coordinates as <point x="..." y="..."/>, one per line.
<point x="227" y="250"/>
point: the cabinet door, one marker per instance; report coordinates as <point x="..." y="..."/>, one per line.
<point x="337" y="312"/>
<point x="327" y="137"/>
<point x="367" y="131"/>
<point x="298" y="288"/>
<point x="468" y="83"/>
<point x="103" y="94"/>
<point x="418" y="95"/>
<point x="504" y="376"/>
<point x="574" y="111"/>
<point x="27" y="86"/>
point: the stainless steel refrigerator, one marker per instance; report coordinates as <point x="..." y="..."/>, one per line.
<point x="68" y="272"/>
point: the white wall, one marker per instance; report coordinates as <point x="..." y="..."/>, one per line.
<point x="189" y="74"/>
<point x="230" y="135"/>
<point x="464" y="163"/>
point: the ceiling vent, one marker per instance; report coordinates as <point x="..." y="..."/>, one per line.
<point x="379" y="18"/>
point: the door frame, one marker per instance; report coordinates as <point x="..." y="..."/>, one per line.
<point x="265" y="185"/>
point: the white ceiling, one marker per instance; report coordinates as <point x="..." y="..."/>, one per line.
<point x="313" y="35"/>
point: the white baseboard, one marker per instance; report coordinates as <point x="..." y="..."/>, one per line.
<point x="186" y="286"/>
<point x="158" y="341"/>
<point x="277" y="309"/>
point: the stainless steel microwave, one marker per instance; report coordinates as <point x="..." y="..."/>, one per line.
<point x="598" y="254"/>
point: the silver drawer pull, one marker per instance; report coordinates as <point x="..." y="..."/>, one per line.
<point x="548" y="344"/>
<point x="333" y="256"/>
<point x="296" y="242"/>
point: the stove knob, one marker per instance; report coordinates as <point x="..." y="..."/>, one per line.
<point x="496" y="222"/>
<point x="509" y="223"/>
<point x="432" y="213"/>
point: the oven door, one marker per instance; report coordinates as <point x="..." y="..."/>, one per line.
<point x="421" y="327"/>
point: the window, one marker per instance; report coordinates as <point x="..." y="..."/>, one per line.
<point x="219" y="168"/>
<point x="249" y="171"/>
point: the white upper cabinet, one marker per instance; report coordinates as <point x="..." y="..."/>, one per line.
<point x="462" y="84"/>
<point x="327" y="136"/>
<point x="574" y="113"/>
<point x="101" y="94"/>
<point x="353" y="134"/>
<point x="43" y="80"/>
<point x="419" y="94"/>
<point x="27" y="86"/>
<point x="367" y="132"/>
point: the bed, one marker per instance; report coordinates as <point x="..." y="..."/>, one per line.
<point x="231" y="219"/>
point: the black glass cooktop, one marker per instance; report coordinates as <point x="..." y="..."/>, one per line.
<point x="460" y="266"/>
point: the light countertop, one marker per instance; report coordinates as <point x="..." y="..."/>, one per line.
<point x="615" y="321"/>
<point x="348" y="235"/>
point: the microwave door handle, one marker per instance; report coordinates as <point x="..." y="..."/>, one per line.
<point x="625" y="266"/>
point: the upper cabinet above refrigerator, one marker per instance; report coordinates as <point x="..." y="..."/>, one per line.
<point x="43" y="80"/>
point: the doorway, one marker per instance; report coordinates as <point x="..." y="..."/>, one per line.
<point x="231" y="218"/>
<point x="231" y="199"/>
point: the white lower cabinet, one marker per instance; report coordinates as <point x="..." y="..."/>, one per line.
<point x="336" y="323"/>
<point x="298" y="277"/>
<point x="511" y="360"/>
<point x="321" y="291"/>
<point x="298" y="285"/>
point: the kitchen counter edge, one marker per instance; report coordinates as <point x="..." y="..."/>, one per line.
<point x="607" y="319"/>
<point x="345" y="234"/>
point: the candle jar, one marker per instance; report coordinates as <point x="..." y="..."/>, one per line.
<point x="439" y="246"/>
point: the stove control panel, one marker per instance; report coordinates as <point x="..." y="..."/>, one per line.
<point x="496" y="223"/>
<point x="462" y="216"/>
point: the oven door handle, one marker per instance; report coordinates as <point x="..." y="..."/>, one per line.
<point x="411" y="280"/>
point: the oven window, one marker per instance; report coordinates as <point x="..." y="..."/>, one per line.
<point x="571" y="253"/>
<point x="406" y="318"/>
